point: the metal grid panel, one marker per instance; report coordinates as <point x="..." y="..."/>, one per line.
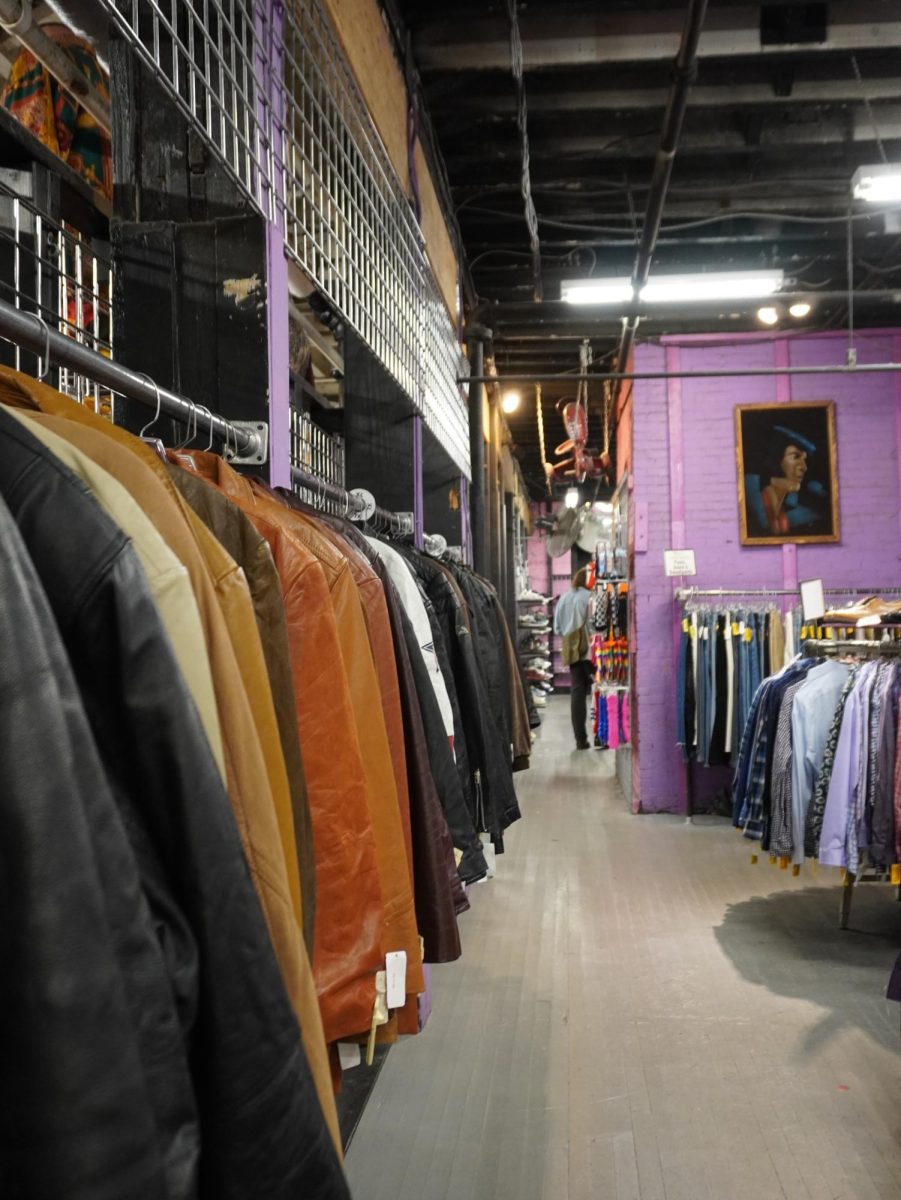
<point x="307" y="154"/>
<point x="318" y="453"/>
<point x="51" y="270"/>
<point x="204" y="51"/>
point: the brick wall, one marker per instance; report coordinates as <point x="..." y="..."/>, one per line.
<point x="868" y="426"/>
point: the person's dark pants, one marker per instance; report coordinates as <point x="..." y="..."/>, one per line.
<point x="580" y="677"/>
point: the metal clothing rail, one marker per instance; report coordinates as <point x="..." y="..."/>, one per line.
<point x="244" y="441"/>
<point x="359" y="505"/>
<point x="855" y="647"/>
<point x="723" y="373"/>
<point x="691" y="593"/>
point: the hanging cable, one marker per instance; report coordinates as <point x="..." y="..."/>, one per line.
<point x="522" y="125"/>
<point x="540" y="412"/>
<point x="869" y="106"/>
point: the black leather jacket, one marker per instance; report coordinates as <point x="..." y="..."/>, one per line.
<point x="262" y="1132"/>
<point x="479" y="686"/>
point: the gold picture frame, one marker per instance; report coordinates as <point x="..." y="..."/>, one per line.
<point x="787" y="465"/>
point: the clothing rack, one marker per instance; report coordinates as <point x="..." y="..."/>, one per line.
<point x="359" y="505"/>
<point x="244" y="441"/>
<point x="690" y="593"/>
<point x="858" y="649"/>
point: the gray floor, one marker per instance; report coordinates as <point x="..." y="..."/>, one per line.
<point x="641" y="1014"/>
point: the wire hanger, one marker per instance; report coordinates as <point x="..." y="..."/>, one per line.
<point x="159" y="403"/>
<point x="44" y="363"/>
<point x="192" y="415"/>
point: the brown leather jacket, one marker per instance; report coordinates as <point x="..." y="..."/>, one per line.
<point x="216" y="586"/>
<point x="375" y="613"/>
<point x="350" y="927"/>
<point x="401" y="932"/>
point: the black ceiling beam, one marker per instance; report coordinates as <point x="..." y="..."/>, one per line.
<point x="646" y="35"/>
<point x="487" y="106"/>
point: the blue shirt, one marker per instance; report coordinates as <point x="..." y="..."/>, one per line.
<point x="571" y="613"/>
<point x="812" y="716"/>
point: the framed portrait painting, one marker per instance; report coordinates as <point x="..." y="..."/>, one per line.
<point x="787" y="473"/>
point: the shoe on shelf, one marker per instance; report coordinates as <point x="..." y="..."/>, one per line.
<point x="532" y="597"/>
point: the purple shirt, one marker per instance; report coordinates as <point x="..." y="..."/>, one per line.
<point x="845" y="773"/>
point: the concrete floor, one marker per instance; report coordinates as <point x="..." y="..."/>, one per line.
<point x="641" y="1014"/>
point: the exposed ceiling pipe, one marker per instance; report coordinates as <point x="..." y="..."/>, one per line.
<point x="685" y="69"/>
<point x="502" y="379"/>
<point x="16" y="18"/>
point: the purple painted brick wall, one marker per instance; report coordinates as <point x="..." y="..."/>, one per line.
<point x="868" y="430"/>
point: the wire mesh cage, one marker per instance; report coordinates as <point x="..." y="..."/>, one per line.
<point x="320" y="454"/>
<point x="271" y="90"/>
<point x="52" y="270"/>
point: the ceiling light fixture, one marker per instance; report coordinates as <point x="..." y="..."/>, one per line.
<point x="510" y="401"/>
<point x="675" y="289"/>
<point x="768" y="315"/>
<point x="596" y="291"/>
<point x="571" y="499"/>
<point x="877" y="185"/>
<point x="799" y="310"/>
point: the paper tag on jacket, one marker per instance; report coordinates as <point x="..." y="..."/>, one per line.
<point x="396" y="969"/>
<point x="349" y="1055"/>
<point x="490" y="857"/>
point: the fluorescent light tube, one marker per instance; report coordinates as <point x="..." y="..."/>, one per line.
<point x="596" y="291"/>
<point x="877" y="185"/>
<point x="711" y="285"/>
<point x="675" y="289"/>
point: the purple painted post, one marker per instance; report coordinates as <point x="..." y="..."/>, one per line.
<point x="676" y="508"/>
<point x="279" y="382"/>
<point x="418" y="493"/>
<point x="896" y="357"/>
<point x="269" y="27"/>
<point x="782" y="358"/>
<point x="676" y="450"/>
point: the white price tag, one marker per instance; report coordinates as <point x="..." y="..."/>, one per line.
<point x="349" y="1055"/>
<point x="396" y="967"/>
<point x="490" y="857"/>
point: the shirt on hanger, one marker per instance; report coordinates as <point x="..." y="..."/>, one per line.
<point x="812" y="716"/>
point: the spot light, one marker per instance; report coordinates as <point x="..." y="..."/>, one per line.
<point x="799" y="310"/>
<point x="510" y="401"/>
<point x="768" y="315"/>
<point x="571" y="499"/>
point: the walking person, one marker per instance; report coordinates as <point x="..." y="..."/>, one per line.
<point x="571" y="622"/>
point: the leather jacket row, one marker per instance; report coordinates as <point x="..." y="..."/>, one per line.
<point x="236" y="777"/>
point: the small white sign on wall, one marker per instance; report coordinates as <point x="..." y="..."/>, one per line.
<point x="813" y="602"/>
<point x="679" y="562"/>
